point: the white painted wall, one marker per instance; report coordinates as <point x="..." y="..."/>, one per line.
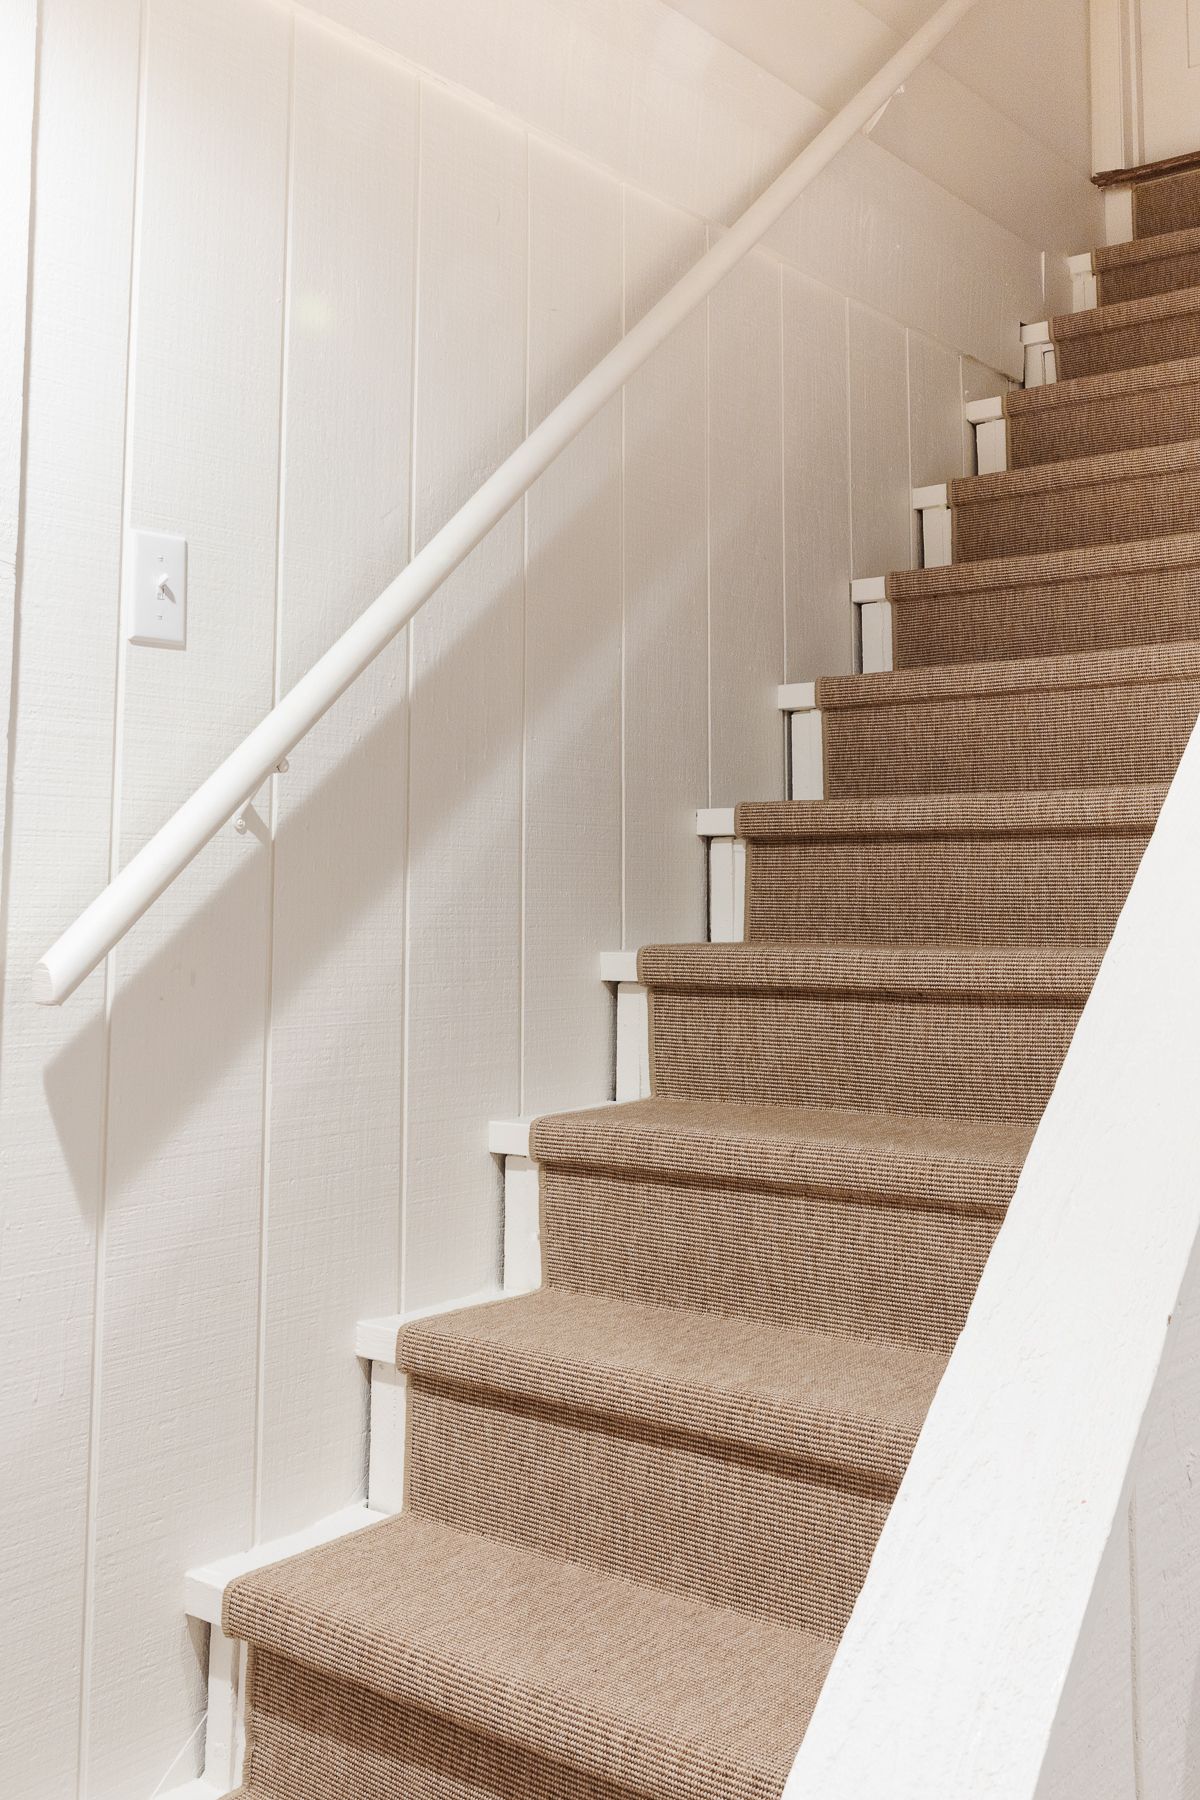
<point x="292" y="295"/>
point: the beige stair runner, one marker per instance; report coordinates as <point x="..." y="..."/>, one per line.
<point x="641" y="1501"/>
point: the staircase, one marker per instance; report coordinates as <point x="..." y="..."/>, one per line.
<point x="642" y="1500"/>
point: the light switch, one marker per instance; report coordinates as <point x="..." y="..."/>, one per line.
<point x="157" y="590"/>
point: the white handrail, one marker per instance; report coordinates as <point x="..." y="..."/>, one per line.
<point x="87" y="942"/>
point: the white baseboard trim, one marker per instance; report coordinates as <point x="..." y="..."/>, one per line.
<point x="1083" y="282"/>
<point x="991" y="435"/>
<point x="797" y="700"/>
<point x="203" y="1596"/>
<point x="874" y="632"/>
<point x="933" y="504"/>
<point x="1040" y="365"/>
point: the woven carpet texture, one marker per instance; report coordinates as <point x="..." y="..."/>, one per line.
<point x="641" y="1502"/>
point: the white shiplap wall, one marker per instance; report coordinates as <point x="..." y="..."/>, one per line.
<point x="292" y="296"/>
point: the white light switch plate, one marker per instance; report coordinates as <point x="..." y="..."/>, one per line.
<point x="157" y="590"/>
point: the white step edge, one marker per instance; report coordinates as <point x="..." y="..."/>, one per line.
<point x="985" y="412"/>
<point x="868" y="588"/>
<point x="1081" y="264"/>
<point x="796" y="696"/>
<point x="1036" y="334"/>
<point x="194" y="1790"/>
<point x="510" y="1137"/>
<point x="375" y="1339"/>
<point x="937" y="495"/>
<point x="618" y="965"/>
<point x="714" y="821"/>
<point x="204" y="1587"/>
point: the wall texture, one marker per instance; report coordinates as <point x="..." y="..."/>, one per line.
<point x="292" y="294"/>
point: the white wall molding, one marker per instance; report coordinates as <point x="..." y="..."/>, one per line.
<point x="1115" y="79"/>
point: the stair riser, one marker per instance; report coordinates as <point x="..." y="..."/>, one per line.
<point x="1009" y="889"/>
<point x="1001" y="743"/>
<point x="1138" y="281"/>
<point x="954" y="1058"/>
<point x="709" y="1520"/>
<point x="1169" y="415"/>
<point x="316" y="1738"/>
<point x="1113" y="512"/>
<point x="894" y="1270"/>
<point x="1065" y="618"/>
<point x="1129" y="346"/>
<point x="1166" y="203"/>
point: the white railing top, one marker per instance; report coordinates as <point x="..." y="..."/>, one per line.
<point x="85" y="944"/>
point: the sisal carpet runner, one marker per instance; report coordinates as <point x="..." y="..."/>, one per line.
<point x="641" y="1502"/>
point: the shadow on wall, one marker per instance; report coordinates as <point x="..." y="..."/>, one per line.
<point x="346" y="871"/>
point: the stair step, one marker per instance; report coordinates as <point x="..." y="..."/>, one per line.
<point x="1149" y="265"/>
<point x="1056" y="603"/>
<point x="1099" y="720"/>
<point x="780" y="1392"/>
<point x="1129" y="409"/>
<point x="980" y="869"/>
<point x="1160" y="328"/>
<point x="758" y="1460"/>
<point x="1166" y="203"/>
<point x="1113" y="498"/>
<point x="854" y="1222"/>
<point x="414" y="1647"/>
<point x="956" y="1032"/>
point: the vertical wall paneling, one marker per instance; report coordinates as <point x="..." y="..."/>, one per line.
<point x="572" y="821"/>
<point x="666" y="591"/>
<point x="745" y="533"/>
<point x="935" y="419"/>
<point x="935" y="411"/>
<point x="816" y="436"/>
<point x="175" y="1418"/>
<point x="18" y="73"/>
<point x="51" y="1070"/>
<point x="467" y="668"/>
<point x="332" y="1162"/>
<point x="881" y="495"/>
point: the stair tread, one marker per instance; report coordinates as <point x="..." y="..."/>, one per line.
<point x="815" y="1149"/>
<point x="1077" y="472"/>
<point x="1157" y="248"/>
<point x="811" y="1397"/>
<point x="603" y="1674"/>
<point x="1125" y="313"/>
<point x="1097" y="668"/>
<point x="1043" y="568"/>
<point x="1073" y="810"/>
<point x="879" y="971"/>
<point x="1084" y="390"/>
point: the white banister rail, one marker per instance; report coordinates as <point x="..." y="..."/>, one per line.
<point x="1013" y="1640"/>
<point x="85" y="944"/>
